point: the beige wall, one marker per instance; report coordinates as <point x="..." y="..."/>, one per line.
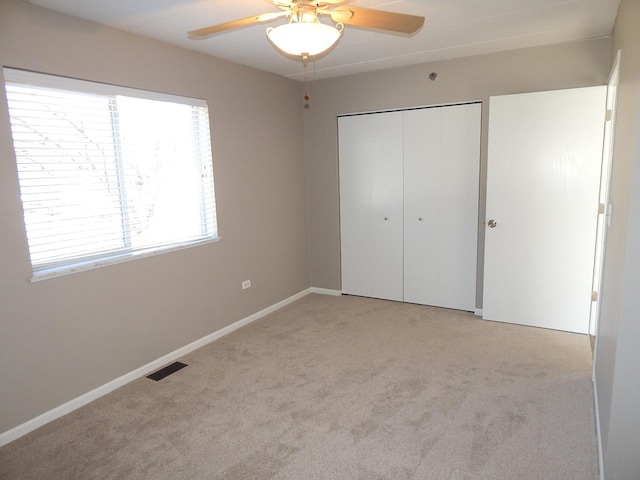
<point x="466" y="79"/>
<point x="617" y="368"/>
<point x="62" y="337"/>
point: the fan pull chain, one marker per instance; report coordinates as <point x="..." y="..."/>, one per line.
<point x="305" y="62"/>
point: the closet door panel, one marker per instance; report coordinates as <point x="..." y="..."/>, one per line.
<point x="355" y="199"/>
<point x="370" y="148"/>
<point x="442" y="158"/>
<point x="422" y="205"/>
<point x="458" y="194"/>
<point x="386" y="210"/>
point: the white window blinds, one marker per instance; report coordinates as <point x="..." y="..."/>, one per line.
<point x="108" y="173"/>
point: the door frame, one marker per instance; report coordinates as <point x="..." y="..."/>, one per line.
<point x="604" y="219"/>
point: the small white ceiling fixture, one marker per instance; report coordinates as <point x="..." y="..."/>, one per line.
<point x="305" y="38"/>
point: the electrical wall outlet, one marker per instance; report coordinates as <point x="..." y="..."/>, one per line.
<point x="246" y="284"/>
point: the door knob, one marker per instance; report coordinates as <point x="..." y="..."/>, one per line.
<point x="420" y="218"/>
<point x="492" y="223"/>
<point x="386" y="218"/>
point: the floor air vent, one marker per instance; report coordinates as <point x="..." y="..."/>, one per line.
<point x="166" y="371"/>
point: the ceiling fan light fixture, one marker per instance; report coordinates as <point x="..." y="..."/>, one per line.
<point x="305" y="38"/>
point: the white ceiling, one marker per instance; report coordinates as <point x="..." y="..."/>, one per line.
<point x="453" y="28"/>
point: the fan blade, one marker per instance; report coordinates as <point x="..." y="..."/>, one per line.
<point x="377" y="19"/>
<point x="207" y="31"/>
<point x="284" y="4"/>
<point x="326" y="3"/>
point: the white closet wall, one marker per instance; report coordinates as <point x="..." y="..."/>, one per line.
<point x="409" y="204"/>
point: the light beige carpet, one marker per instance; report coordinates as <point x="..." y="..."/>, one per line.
<point x="341" y="388"/>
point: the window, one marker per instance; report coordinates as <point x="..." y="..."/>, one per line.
<point x="108" y="173"/>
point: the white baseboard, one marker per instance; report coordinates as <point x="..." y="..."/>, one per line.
<point x="598" y="431"/>
<point x="325" y="291"/>
<point x="478" y="312"/>
<point x="71" y="405"/>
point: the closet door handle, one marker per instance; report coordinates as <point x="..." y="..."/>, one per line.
<point x="386" y="218"/>
<point x="420" y="219"/>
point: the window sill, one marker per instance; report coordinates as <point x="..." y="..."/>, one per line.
<point x="60" y="271"/>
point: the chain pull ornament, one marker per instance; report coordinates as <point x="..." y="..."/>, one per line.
<point x="305" y="63"/>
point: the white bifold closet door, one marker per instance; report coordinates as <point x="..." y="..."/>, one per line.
<point x="409" y="204"/>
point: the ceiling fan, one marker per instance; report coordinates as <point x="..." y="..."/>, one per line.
<point x="305" y="36"/>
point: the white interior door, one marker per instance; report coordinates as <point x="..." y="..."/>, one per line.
<point x="441" y="168"/>
<point x="371" y="201"/>
<point x="542" y="192"/>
